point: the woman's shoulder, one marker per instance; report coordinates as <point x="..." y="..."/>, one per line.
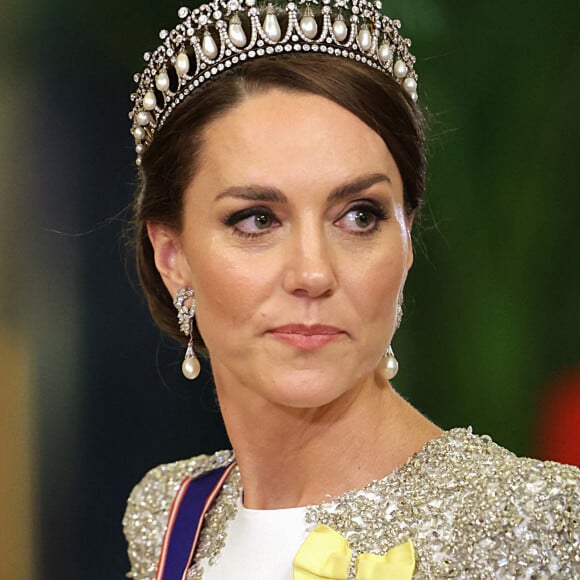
<point x="472" y="508"/>
<point x="477" y="462"/>
<point x="148" y="507"/>
<point x="474" y="472"/>
<point x="507" y="513"/>
<point x="516" y="514"/>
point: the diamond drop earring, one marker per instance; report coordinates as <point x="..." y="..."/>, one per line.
<point x="391" y="363"/>
<point x="190" y="366"/>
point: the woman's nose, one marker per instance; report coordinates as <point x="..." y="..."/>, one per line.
<point x="310" y="268"/>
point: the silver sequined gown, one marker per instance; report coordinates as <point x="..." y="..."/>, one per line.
<point x="471" y="508"/>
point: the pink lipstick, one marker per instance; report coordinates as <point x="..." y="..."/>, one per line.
<point x="306" y="337"/>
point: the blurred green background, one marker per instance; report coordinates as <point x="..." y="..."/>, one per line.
<point x="91" y="394"/>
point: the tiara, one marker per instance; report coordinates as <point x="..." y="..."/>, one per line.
<point x="217" y="36"/>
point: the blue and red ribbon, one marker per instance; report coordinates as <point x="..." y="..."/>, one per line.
<point x="192" y="501"/>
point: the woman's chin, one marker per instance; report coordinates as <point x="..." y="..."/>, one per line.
<point x="309" y="391"/>
<point x="280" y="383"/>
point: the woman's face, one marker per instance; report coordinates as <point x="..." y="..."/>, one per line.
<point x="296" y="244"/>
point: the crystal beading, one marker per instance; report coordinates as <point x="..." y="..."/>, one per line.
<point x="471" y="508"/>
<point x="223" y="33"/>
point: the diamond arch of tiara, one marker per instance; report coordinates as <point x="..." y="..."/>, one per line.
<point x="217" y="36"/>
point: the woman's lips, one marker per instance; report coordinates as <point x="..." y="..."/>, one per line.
<point x="306" y="337"/>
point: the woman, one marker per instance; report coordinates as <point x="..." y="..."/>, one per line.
<point x="279" y="190"/>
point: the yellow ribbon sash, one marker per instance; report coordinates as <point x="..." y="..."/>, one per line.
<point x="326" y="555"/>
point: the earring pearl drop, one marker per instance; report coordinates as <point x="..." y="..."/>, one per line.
<point x="190" y="366"/>
<point x="391" y="364"/>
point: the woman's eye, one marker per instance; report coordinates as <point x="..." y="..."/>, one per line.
<point x="362" y="219"/>
<point x="252" y="222"/>
<point x="255" y="223"/>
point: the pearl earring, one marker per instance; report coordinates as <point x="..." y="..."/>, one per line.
<point x="391" y="364"/>
<point x="190" y="366"/>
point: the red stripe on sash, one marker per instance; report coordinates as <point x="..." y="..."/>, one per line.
<point x="170" y="522"/>
<point x="169" y="538"/>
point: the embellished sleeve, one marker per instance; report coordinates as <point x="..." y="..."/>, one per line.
<point x="566" y="496"/>
<point x="539" y="522"/>
<point x="148" y="508"/>
<point x="146" y="517"/>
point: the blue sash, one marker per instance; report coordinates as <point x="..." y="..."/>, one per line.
<point x="192" y="501"/>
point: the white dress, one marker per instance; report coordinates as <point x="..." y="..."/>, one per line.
<point x="260" y="545"/>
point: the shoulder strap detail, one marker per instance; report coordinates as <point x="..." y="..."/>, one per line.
<point x="190" y="504"/>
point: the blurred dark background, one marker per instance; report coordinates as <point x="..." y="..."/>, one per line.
<point x="91" y="395"/>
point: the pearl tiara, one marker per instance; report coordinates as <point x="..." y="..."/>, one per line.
<point x="219" y="35"/>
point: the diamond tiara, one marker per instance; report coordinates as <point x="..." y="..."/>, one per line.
<point x="217" y="36"/>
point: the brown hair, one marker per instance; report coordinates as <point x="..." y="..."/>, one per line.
<point x="171" y="161"/>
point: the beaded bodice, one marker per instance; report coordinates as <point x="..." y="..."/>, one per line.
<point x="471" y="508"/>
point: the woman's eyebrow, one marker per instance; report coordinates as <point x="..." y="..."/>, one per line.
<point x="274" y="195"/>
<point x="356" y="186"/>
<point x="254" y="193"/>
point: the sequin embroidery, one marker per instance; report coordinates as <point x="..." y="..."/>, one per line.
<point x="471" y="508"/>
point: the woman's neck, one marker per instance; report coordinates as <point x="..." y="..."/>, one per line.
<point x="291" y="457"/>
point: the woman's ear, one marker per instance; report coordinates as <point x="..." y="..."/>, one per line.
<point x="170" y="260"/>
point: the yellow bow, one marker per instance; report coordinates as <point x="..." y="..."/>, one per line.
<point x="326" y="555"/>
